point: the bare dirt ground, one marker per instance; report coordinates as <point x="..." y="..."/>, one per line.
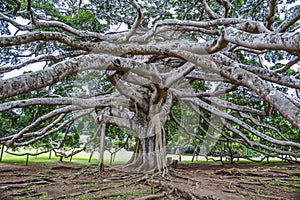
<point x="189" y="181"/>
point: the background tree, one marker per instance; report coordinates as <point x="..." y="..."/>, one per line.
<point x="132" y="77"/>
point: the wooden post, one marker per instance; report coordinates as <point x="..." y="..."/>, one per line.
<point x="114" y="156"/>
<point x="72" y="155"/>
<point x="2" y="151"/>
<point x="111" y="157"/>
<point x="90" y="158"/>
<point x="194" y="154"/>
<point x="169" y="161"/>
<point x="27" y="157"/>
<point x="50" y="154"/>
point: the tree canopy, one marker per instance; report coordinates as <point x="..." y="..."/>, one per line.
<point x="212" y="71"/>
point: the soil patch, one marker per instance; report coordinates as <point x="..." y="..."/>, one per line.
<point x="188" y="181"/>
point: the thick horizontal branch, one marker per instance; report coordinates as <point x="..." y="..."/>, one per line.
<point x="177" y="74"/>
<point x="232" y="106"/>
<point x="266" y="74"/>
<point x="248" y="79"/>
<point x="40" y="58"/>
<point x="273" y="76"/>
<point x="35" y="80"/>
<point x="102" y="101"/>
<point x="43" y="36"/>
<point x="272" y="41"/>
<point x="185" y="94"/>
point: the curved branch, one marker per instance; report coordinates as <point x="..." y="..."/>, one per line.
<point x="17" y="8"/>
<point x="232" y="106"/>
<point x="226" y="5"/>
<point x="288" y="65"/>
<point x="55" y="24"/>
<point x="137" y="22"/>
<point x="224" y="115"/>
<point x="129" y="92"/>
<point x="41" y="135"/>
<point x="37" y="122"/>
<point x="31" y="14"/>
<point x="47" y="128"/>
<point x="218" y="44"/>
<point x="208" y="10"/>
<point x="176" y="75"/>
<point x="259" y="123"/>
<point x="271" y="12"/>
<point x="251" y="144"/>
<point x="288" y="22"/>
<point x="198" y="24"/>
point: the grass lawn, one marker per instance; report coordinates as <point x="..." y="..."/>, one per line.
<point x="83" y="157"/>
<point x="80" y="159"/>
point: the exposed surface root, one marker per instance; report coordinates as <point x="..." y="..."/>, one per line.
<point x="189" y="181"/>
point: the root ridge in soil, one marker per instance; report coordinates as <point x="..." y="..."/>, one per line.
<point x="188" y="181"/>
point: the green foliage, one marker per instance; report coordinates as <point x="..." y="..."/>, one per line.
<point x="116" y="136"/>
<point x="275" y="120"/>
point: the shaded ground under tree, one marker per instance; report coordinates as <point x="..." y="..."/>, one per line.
<point x="191" y="181"/>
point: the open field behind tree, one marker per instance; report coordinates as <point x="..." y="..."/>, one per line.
<point x="121" y="157"/>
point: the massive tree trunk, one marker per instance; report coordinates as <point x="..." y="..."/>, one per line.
<point x="150" y="152"/>
<point x="150" y="148"/>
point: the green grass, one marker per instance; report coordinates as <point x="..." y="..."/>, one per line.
<point x="200" y="162"/>
<point x="90" y="186"/>
<point x="82" y="159"/>
<point x="44" y="159"/>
